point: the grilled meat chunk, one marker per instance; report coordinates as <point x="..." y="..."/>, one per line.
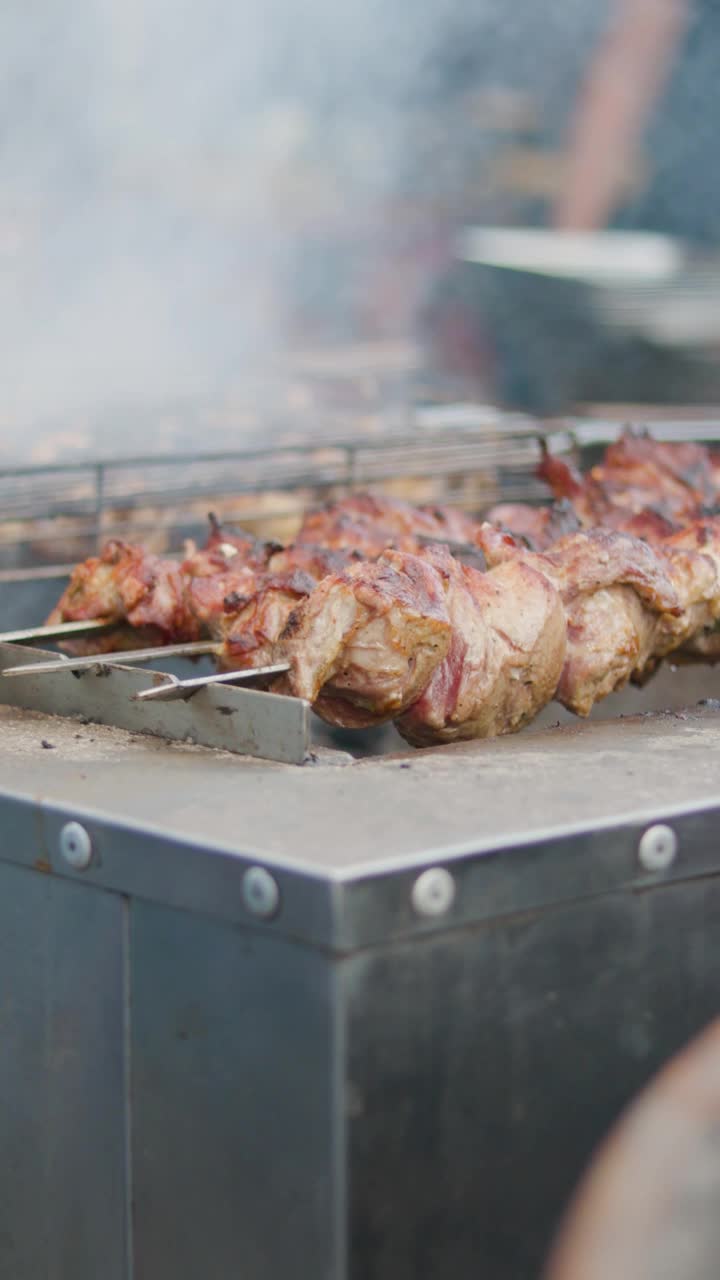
<point x="446" y="651"/>
<point x="370" y="524"/>
<point x="537" y="527"/>
<point x="638" y="475"/>
<point x="700" y="540"/>
<point x="225" y="543"/>
<point x="340" y="530"/>
<point x="627" y="605"/>
<point x="239" y="593"/>
<point x="317" y="561"/>
<point x="251" y="627"/>
<point x="364" y="645"/>
<point x="391" y="515"/>
<point x="540" y="527"/>
<point x="129" y="585"/>
<point x="505" y="658"/>
<point x="213" y="596"/>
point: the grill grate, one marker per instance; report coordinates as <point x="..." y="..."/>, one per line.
<point x="53" y="515"/>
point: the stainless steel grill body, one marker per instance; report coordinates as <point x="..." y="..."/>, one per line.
<point x="350" y="1085"/>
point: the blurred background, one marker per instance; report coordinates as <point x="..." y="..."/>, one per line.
<point x="220" y="219"/>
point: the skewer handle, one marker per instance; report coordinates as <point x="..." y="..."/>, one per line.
<point x="120" y="657"/>
<point x="184" y="689"/>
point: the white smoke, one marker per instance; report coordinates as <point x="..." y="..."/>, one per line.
<point x="173" y="172"/>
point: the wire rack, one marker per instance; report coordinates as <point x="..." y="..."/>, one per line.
<point x="51" y="515"/>
<point x="465" y="455"/>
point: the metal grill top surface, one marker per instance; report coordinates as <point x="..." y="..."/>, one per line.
<point x="182" y="824"/>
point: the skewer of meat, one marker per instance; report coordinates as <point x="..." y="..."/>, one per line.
<point x="371" y="644"/>
<point x="446" y="651"/>
<point x="235" y="590"/>
<point x="379" y="640"/>
<point x="143" y="594"/>
<point x="250" y="618"/>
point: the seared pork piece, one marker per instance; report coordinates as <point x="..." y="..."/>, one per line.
<point x="537" y="527"/>
<point x="540" y="527"/>
<point x="446" y="524"/>
<point x="391" y="515"/>
<point x="673" y="482"/>
<point x="370" y="524"/>
<point x="316" y="561"/>
<point x="94" y="587"/>
<point x="446" y="651"/>
<point x="505" y="658"/>
<point x="701" y="538"/>
<point x="247" y="610"/>
<point x="226" y="543"/>
<point x="250" y="627"/>
<point x="157" y="599"/>
<point x="342" y="531"/>
<point x="128" y="585"/>
<point x="680" y="472"/>
<point x="212" y="596"/>
<point x="364" y="645"/>
<point x="627" y="605"/>
<point x="215" y="592"/>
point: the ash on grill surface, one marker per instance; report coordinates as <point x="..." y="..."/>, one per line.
<point x="372" y="815"/>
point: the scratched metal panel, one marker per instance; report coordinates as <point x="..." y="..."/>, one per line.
<point x="237" y="1171"/>
<point x="62" y="1129"/>
<point x="485" y="1065"/>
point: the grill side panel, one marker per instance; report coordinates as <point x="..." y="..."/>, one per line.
<point x="485" y="1065"/>
<point x="237" y="1171"/>
<point x="62" y="1131"/>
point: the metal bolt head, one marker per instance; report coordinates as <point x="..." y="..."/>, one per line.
<point x="76" y="846"/>
<point x="658" y="847"/>
<point x="433" y="892"/>
<point x="260" y="893"/>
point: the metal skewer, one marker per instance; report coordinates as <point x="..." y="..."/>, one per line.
<point x="60" y="631"/>
<point x="120" y="657"/>
<point x="184" y="689"/>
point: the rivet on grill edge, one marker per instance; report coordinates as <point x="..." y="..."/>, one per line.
<point x="657" y="848"/>
<point x="76" y="846"/>
<point x="433" y="892"/>
<point x="260" y="892"/>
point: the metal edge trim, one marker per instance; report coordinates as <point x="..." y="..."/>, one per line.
<point x="543" y="871"/>
<point x="142" y="862"/>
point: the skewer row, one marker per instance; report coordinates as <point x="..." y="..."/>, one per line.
<point x="173" y="688"/>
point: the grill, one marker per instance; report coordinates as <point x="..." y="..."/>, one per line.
<point x="361" y="1018"/>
